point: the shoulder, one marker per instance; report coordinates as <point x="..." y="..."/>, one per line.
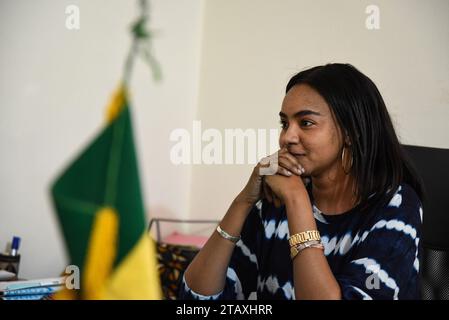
<point x="400" y="218"/>
<point x="394" y="229"/>
<point x="404" y="205"/>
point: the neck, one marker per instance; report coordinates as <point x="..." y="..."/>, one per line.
<point x="334" y="194"/>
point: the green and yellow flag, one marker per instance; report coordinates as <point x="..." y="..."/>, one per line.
<point x="99" y="204"/>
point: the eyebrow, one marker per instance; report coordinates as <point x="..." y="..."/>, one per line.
<point x="301" y="113"/>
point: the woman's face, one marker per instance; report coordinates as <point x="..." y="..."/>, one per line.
<point x="310" y="132"/>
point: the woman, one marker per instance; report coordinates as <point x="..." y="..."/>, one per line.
<point x="352" y="232"/>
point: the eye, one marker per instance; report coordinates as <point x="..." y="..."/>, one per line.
<point x="306" y="123"/>
<point x="283" y="124"/>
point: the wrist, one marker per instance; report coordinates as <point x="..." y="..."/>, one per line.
<point x="242" y="200"/>
<point x="298" y="204"/>
<point x="293" y="202"/>
<point x="299" y="214"/>
<point x="295" y="196"/>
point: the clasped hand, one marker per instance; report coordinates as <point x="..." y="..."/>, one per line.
<point x="284" y="179"/>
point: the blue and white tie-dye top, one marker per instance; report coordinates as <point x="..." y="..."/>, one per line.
<point x="372" y="255"/>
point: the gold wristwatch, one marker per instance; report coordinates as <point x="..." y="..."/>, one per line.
<point x="304" y="236"/>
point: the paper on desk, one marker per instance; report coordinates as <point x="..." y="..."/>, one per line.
<point x="6" y="286"/>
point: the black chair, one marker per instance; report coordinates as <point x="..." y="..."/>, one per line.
<point x="432" y="165"/>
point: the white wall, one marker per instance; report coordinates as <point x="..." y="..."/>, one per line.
<point x="251" y="48"/>
<point x="54" y="85"/>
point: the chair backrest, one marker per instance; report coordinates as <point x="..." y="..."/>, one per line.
<point x="432" y="165"/>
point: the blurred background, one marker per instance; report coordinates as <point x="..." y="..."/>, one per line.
<point x="225" y="63"/>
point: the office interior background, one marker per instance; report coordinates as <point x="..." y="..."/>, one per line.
<point x="224" y="63"/>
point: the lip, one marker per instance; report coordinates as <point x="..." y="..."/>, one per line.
<point x="298" y="154"/>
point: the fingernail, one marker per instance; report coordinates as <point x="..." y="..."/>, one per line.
<point x="300" y="170"/>
<point x="289" y="173"/>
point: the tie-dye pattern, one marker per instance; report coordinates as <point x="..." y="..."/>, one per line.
<point x="373" y="255"/>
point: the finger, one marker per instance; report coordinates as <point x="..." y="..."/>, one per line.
<point x="284" y="172"/>
<point x="268" y="165"/>
<point x="289" y="162"/>
<point x="289" y="167"/>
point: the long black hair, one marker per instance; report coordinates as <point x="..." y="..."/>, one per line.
<point x="379" y="163"/>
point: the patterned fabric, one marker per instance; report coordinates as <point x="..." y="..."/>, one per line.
<point x="373" y="255"/>
<point x="172" y="262"/>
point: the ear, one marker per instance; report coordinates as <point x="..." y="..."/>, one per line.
<point x="347" y="141"/>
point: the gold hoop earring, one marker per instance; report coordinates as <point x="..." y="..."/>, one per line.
<point x="343" y="162"/>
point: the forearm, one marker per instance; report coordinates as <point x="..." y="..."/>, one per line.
<point x="206" y="274"/>
<point x="313" y="278"/>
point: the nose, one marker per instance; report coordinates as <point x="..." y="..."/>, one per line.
<point x="288" y="137"/>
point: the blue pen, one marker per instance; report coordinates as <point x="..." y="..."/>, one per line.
<point x="15" y="245"/>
